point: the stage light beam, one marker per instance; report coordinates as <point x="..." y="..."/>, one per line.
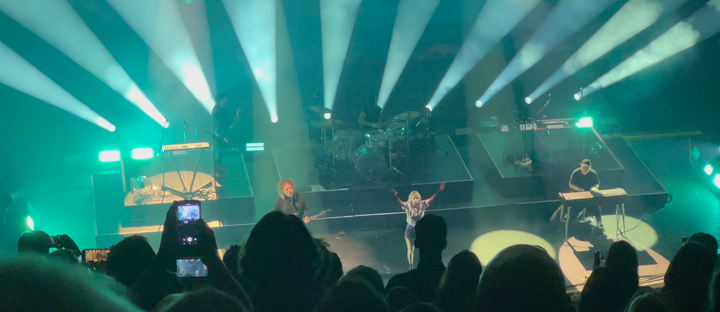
<point x="566" y="18"/>
<point x="160" y="25"/>
<point x="254" y="22"/>
<point x="337" y="23"/>
<point x="57" y="23"/>
<point x="19" y="74"/>
<point x="412" y="18"/>
<point x="634" y="17"/>
<point x="495" y="21"/>
<point x="702" y="24"/>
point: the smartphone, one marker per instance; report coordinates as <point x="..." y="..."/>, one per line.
<point x="600" y="257"/>
<point x="192" y="267"/>
<point x="188" y="213"/>
<point x="54" y="241"/>
<point x="95" y="255"/>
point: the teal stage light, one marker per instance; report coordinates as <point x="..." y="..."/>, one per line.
<point x="109" y="156"/>
<point x="142" y="153"/>
<point x="708" y="169"/>
<point x="585" y="122"/>
<point x="716" y="180"/>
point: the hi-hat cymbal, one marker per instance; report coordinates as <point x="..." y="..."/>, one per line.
<point x="407" y="115"/>
<point x="320" y="109"/>
<point x="328" y="124"/>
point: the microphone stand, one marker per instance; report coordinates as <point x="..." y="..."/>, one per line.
<point x="162" y="157"/>
<point x="531" y="154"/>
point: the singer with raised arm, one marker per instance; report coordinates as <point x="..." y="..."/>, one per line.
<point x="291" y="202"/>
<point x="415" y="209"/>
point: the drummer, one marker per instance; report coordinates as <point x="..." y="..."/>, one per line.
<point x="371" y="115"/>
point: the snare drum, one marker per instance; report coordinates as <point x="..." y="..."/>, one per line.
<point x="375" y="138"/>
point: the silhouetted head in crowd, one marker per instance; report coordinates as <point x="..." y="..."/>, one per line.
<point x="336" y="269"/>
<point x="351" y="297"/>
<point x="129" y="258"/>
<point x="431" y="234"/>
<point x="706" y="240"/>
<point x="460" y="281"/>
<point x="230" y="259"/>
<point x="622" y="261"/>
<point x="687" y="279"/>
<point x="278" y="261"/>
<point x="41" y="284"/>
<point x="208" y="299"/>
<point x="400" y="297"/>
<point x="649" y="302"/>
<point x="367" y="275"/>
<point x="715" y="293"/>
<point x="421" y="307"/>
<point x="522" y="278"/>
<point x="65" y="255"/>
<point x="34" y="242"/>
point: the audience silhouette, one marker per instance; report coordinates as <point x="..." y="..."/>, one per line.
<point x="281" y="267"/>
<point x="610" y="288"/>
<point x="431" y="240"/>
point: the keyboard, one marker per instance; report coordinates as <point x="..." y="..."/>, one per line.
<point x="185" y="147"/>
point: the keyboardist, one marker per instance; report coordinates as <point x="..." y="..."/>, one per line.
<point x="586" y="179"/>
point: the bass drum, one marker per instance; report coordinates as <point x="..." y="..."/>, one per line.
<point x="369" y="162"/>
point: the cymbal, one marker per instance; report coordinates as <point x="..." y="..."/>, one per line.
<point x="407" y="115"/>
<point x="328" y="124"/>
<point x="320" y="109"/>
<point x="395" y="125"/>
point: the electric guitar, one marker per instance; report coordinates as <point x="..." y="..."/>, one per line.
<point x="320" y="215"/>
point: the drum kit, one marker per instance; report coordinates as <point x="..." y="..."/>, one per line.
<point x="371" y="154"/>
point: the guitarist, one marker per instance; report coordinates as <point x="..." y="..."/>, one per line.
<point x="289" y="201"/>
<point x="224" y="120"/>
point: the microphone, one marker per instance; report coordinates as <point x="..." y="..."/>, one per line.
<point x="185" y="123"/>
<point x="549" y="98"/>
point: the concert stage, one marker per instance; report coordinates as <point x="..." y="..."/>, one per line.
<point x="444" y="165"/>
<point x="539" y="162"/>
<point x="229" y="202"/>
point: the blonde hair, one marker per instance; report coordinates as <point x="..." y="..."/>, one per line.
<point x="280" y="187"/>
<point x="414" y="194"/>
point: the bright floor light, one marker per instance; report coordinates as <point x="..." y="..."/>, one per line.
<point x="56" y="22"/>
<point x="254" y="22"/>
<point x="702" y="24"/>
<point x="708" y="169"/>
<point x="412" y="18"/>
<point x="631" y="19"/>
<point x="30" y="223"/>
<point x="142" y="153"/>
<point x="161" y="26"/>
<point x="716" y="180"/>
<point x="19" y="74"/>
<point x="496" y="20"/>
<point x="337" y="20"/>
<point x="566" y="18"/>
<point x="109" y="156"/>
<point x="585" y="122"/>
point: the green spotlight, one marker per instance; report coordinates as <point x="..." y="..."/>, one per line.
<point x="110" y="156"/>
<point x="585" y="122"/>
<point x="716" y="180"/>
<point x="142" y="153"/>
<point x="255" y="147"/>
<point x="30" y="223"/>
<point x="708" y="169"/>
